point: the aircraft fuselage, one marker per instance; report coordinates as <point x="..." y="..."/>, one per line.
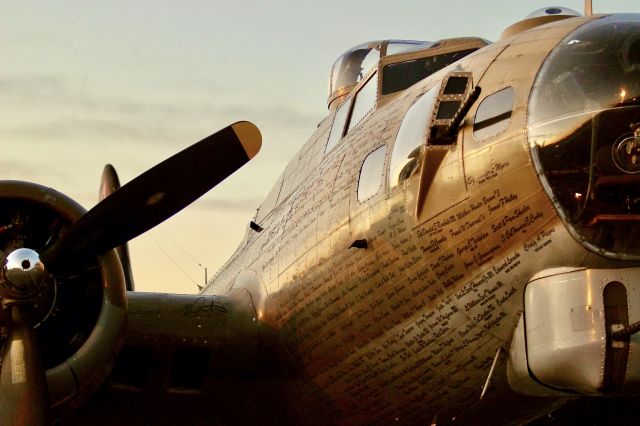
<point x="409" y="324"/>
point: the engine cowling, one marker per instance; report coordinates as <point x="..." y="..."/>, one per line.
<point x="79" y="319"/>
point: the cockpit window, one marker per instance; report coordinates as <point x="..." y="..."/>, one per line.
<point x="352" y="66"/>
<point x="364" y="101"/>
<point x="584" y="130"/>
<point x="493" y="114"/>
<point x="401" y="75"/>
<point x="337" y="128"/>
<point x="371" y="174"/>
<point x="406" y="155"/>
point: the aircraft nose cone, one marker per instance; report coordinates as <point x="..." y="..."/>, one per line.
<point x="23" y="274"/>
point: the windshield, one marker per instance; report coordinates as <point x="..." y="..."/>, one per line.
<point x="353" y="65"/>
<point x="584" y="129"/>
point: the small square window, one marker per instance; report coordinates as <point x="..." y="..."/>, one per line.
<point x="456" y="86"/>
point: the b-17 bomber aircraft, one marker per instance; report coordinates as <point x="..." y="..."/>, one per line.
<point x="457" y="243"/>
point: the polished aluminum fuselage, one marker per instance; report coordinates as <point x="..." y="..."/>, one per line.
<point x="408" y="327"/>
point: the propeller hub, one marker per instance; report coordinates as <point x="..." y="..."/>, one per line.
<point x="23" y="274"/>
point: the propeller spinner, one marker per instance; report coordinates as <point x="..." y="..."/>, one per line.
<point x="23" y="384"/>
<point x="23" y="275"/>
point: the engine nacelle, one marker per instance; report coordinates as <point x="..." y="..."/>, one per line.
<point x="79" y="319"/>
<point x="566" y="340"/>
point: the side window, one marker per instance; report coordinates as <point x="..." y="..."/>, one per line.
<point x="337" y="128"/>
<point x="371" y="173"/>
<point x="364" y="101"/>
<point x="494" y="114"/>
<point x="405" y="157"/>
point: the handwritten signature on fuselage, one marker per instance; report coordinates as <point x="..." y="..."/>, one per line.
<point x="203" y="306"/>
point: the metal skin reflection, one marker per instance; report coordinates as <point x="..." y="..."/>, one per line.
<point x="408" y="328"/>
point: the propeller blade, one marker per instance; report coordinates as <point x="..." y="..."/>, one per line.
<point x="24" y="395"/>
<point x="153" y="197"/>
<point x="110" y="183"/>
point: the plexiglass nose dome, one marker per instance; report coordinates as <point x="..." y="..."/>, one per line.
<point x="584" y="130"/>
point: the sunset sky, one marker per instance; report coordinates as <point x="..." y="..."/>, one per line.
<point x="131" y="83"/>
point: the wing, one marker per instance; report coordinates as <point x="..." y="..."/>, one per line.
<point x="191" y="359"/>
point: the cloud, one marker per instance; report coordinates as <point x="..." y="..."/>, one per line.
<point x="38" y="172"/>
<point x="70" y="135"/>
<point x="268" y="113"/>
<point x="16" y="168"/>
<point x="42" y="107"/>
<point x="32" y="85"/>
<point x="56" y="90"/>
<point x="45" y="91"/>
<point x="227" y="204"/>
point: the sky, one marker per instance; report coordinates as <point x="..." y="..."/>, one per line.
<point x="85" y="83"/>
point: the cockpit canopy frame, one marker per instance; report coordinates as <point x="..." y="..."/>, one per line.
<point x="409" y="60"/>
<point x="400" y="71"/>
<point x="355" y="64"/>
